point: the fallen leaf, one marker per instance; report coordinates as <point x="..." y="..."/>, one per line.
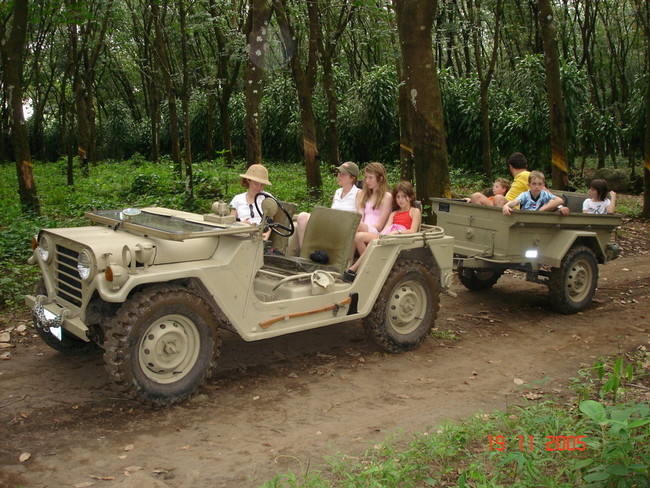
<point x="123" y="456"/>
<point x="533" y="396"/>
<point x="185" y="448"/>
<point x="518" y="381"/>
<point x="24" y="457"/>
<point x="256" y="397"/>
<point x="405" y="397"/>
<point x="5" y="355"/>
<point x="131" y="469"/>
<point x="21" y="328"/>
<point x="102" y="478"/>
<point x="129" y="447"/>
<point x="85" y="484"/>
<point x="5" y="336"/>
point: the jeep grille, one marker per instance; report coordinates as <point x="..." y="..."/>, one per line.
<point x="68" y="282"/>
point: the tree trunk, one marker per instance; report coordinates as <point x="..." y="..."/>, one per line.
<point x="405" y="136"/>
<point x="257" y="46"/>
<point x="12" y="74"/>
<point x="305" y="80"/>
<point x="560" y="167"/>
<point x="334" y="157"/>
<point x="165" y="68"/>
<point x="414" y="24"/>
<point x="185" y="102"/>
<point x="643" y="8"/>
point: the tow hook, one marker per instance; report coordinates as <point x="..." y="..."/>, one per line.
<point x="46" y="319"/>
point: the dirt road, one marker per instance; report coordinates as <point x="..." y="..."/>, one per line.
<point x="285" y="403"/>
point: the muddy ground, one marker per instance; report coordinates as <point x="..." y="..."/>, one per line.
<point x="286" y="403"/>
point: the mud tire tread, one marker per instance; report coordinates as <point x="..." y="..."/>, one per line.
<point x="557" y="281"/>
<point x="376" y="323"/>
<point x="136" y="314"/>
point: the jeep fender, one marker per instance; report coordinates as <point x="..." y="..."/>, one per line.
<point x="553" y="251"/>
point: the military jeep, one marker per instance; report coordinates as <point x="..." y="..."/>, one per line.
<point x="154" y="287"/>
<point x="562" y="252"/>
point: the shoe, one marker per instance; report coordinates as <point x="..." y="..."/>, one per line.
<point x="349" y="276"/>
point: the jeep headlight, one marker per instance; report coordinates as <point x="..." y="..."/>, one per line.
<point x="84" y="265"/>
<point x="44" y="248"/>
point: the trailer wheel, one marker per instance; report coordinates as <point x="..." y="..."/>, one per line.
<point x="478" y="279"/>
<point x="406" y="307"/>
<point x="162" y="345"/>
<point x="573" y="284"/>
<point x="69" y="344"/>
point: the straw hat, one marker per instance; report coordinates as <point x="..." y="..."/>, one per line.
<point x="257" y="172"/>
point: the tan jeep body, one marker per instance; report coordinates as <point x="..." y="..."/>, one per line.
<point x="154" y="289"/>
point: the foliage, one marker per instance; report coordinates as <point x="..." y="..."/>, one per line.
<point x="547" y="444"/>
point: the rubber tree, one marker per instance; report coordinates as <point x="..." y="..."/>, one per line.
<point x="559" y="160"/>
<point x="643" y="13"/>
<point x="87" y="41"/>
<point x="305" y="80"/>
<point x="485" y="74"/>
<point x="12" y="49"/>
<point x="430" y="157"/>
<point x="160" y="43"/>
<point x="257" y="49"/>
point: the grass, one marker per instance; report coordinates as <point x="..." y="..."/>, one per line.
<point x="137" y="183"/>
<point x="553" y="443"/>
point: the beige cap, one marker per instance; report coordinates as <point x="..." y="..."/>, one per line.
<point x="349" y="168"/>
<point x="257" y="172"/>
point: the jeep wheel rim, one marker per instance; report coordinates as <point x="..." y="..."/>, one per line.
<point x="406" y="307"/>
<point x="169" y="349"/>
<point x="579" y="280"/>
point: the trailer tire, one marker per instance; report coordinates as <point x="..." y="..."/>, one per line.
<point x="478" y="279"/>
<point x="162" y="345"/>
<point x="406" y="307"/>
<point x="69" y="344"/>
<point x="573" y="284"/>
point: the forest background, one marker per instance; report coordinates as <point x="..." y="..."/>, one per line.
<point x="429" y="88"/>
<point x="324" y="81"/>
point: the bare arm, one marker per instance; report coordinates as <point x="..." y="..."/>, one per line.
<point x="416" y="217"/>
<point x="386" y="208"/>
<point x="508" y="207"/>
<point x="612" y="202"/>
<point x="551" y="204"/>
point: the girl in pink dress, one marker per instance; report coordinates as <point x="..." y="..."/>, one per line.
<point x="406" y="219"/>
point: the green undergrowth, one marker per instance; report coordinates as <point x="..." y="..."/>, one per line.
<point x="137" y="183"/>
<point x="600" y="437"/>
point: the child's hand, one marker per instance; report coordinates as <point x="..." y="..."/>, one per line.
<point x="563" y="211"/>
<point x="506" y="210"/>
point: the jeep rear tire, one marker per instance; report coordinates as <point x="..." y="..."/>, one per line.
<point x="406" y="307"/>
<point x="573" y="284"/>
<point x="478" y="279"/>
<point x="69" y="344"/>
<point x="162" y="345"/>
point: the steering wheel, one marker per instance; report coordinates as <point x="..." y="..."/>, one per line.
<point x="275" y="226"/>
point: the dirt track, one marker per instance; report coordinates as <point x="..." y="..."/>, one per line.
<point x="285" y="403"/>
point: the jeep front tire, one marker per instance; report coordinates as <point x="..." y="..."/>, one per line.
<point x="162" y="345"/>
<point x="406" y="307"/>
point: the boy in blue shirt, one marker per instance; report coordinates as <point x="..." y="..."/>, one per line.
<point x="536" y="198"/>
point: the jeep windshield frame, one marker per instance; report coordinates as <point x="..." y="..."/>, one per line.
<point x="167" y="224"/>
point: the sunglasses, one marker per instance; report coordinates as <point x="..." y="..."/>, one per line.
<point x="250" y="205"/>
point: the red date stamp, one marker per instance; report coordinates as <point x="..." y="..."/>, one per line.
<point x="552" y="443"/>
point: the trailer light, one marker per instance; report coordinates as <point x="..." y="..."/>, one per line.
<point x="531" y="253"/>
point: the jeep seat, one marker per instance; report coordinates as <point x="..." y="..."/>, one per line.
<point x="328" y="230"/>
<point x="279" y="242"/>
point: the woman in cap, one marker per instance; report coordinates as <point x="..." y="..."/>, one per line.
<point x="344" y="198"/>
<point x="243" y="205"/>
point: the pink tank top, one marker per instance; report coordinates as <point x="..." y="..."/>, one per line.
<point x="371" y="217"/>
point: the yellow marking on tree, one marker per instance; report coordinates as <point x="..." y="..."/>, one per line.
<point x="406" y="148"/>
<point x="560" y="162"/>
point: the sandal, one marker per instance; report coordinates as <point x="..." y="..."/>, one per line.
<point x="349" y="276"/>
